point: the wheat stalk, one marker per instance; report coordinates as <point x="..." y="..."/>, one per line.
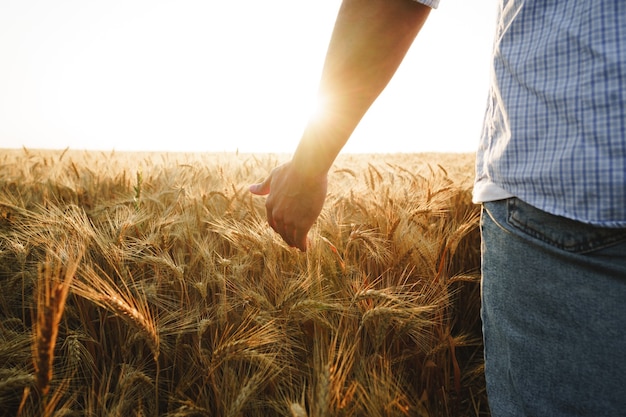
<point x="53" y="286"/>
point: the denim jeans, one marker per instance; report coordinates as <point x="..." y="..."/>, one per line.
<point x="554" y="314"/>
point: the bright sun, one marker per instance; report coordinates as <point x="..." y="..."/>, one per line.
<point x="203" y="76"/>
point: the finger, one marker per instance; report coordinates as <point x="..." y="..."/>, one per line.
<point x="287" y="233"/>
<point x="300" y="241"/>
<point x="271" y="220"/>
<point x="262" y="188"/>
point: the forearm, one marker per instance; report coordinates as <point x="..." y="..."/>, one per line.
<point x="369" y="41"/>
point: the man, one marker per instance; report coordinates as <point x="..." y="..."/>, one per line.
<point x="551" y="176"/>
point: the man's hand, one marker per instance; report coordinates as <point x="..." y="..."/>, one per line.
<point x="293" y="202"/>
<point x="369" y="40"/>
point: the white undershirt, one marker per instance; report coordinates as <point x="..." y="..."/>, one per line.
<point x="485" y="190"/>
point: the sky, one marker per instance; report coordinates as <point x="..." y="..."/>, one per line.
<point x="212" y="76"/>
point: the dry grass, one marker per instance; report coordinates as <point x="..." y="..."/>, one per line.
<point x="150" y="284"/>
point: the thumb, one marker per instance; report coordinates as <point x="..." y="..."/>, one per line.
<point x="262" y="188"/>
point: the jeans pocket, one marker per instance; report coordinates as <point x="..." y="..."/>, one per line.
<point x="560" y="232"/>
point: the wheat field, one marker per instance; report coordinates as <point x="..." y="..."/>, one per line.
<point x="150" y="285"/>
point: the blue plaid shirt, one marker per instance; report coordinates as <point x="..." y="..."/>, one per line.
<point x="555" y="128"/>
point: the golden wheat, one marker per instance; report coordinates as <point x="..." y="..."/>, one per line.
<point x="102" y="291"/>
<point x="52" y="290"/>
<point x="297" y="410"/>
<point x="184" y="302"/>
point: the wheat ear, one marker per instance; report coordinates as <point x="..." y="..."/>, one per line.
<point x="102" y="291"/>
<point x="133" y="316"/>
<point x="297" y="410"/>
<point x="52" y="289"/>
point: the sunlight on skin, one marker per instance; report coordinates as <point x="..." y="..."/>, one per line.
<point x="316" y="109"/>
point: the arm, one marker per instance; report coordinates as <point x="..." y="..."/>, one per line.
<point x="369" y="41"/>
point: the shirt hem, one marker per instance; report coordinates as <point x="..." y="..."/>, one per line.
<point x="485" y="191"/>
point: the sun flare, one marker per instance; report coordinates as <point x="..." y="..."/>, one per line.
<point x="317" y="107"/>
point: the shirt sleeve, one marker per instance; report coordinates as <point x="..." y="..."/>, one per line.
<point x="431" y="3"/>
